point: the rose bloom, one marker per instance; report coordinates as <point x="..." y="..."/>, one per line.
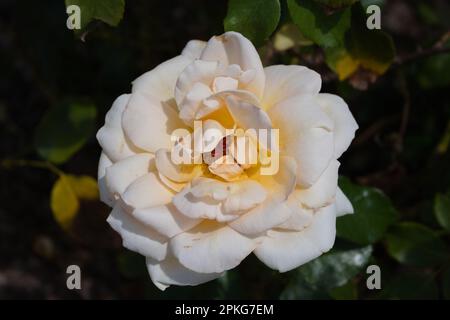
<point x="194" y="221"/>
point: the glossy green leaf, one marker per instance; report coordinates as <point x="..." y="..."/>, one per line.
<point x="409" y="286"/>
<point x="299" y="289"/>
<point x="255" y="19"/>
<point x="326" y="30"/>
<point x="346" y="292"/>
<point x="416" y="245"/>
<point x="64" y="130"/>
<point x="336" y="3"/>
<point x="373" y="215"/>
<point x="442" y="210"/>
<point x="108" y="11"/>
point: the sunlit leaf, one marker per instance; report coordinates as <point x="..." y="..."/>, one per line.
<point x="373" y="215"/>
<point x="288" y="37"/>
<point x="66" y="194"/>
<point x="64" y="130"/>
<point x="255" y="19"/>
<point x="416" y="245"/>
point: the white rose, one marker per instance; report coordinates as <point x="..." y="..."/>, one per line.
<point x="193" y="222"/>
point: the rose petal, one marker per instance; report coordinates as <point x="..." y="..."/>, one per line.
<point x="165" y="219"/>
<point x="323" y="191"/>
<point x="171" y="272"/>
<point x="136" y="236"/>
<point x="306" y="133"/>
<point x="105" y="196"/>
<point x="149" y="122"/>
<point x="343" y="204"/>
<point x="121" y="174"/>
<point x="233" y="48"/>
<point x="193" y="49"/>
<point x="110" y="136"/>
<point x="175" y="172"/>
<point x="211" y="248"/>
<point x="344" y="123"/>
<point x="286" y="250"/>
<point x="146" y="191"/>
<point x="247" y="115"/>
<point x="284" y="82"/>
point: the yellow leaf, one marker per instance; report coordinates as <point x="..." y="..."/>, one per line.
<point x="64" y="202"/>
<point x="66" y="194"/>
<point x="346" y="66"/>
<point x="288" y="37"/>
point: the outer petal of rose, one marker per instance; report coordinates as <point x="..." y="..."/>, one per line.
<point x="110" y="136"/>
<point x="165" y="219"/>
<point x="146" y="191"/>
<point x="306" y="134"/>
<point x="121" y="174"/>
<point x="323" y="191"/>
<point x="149" y="122"/>
<point x="136" y="236"/>
<point x="222" y="201"/>
<point x="344" y="123"/>
<point x="160" y="81"/>
<point x="300" y="218"/>
<point x="267" y="215"/>
<point x="343" y="205"/>
<point x="247" y="115"/>
<point x="193" y="49"/>
<point x="211" y="248"/>
<point x="234" y="48"/>
<point x="171" y="272"/>
<point x="105" y="196"/>
<point x="286" y="250"/>
<point x="284" y="82"/>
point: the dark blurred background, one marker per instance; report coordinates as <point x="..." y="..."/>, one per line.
<point x="401" y="146"/>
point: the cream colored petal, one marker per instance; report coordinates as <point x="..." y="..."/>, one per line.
<point x="284" y="82"/>
<point x="105" y="196"/>
<point x="287" y="250"/>
<point x="344" y="123"/>
<point x="211" y="248"/>
<point x="171" y="272"/>
<point x="306" y="134"/>
<point x="343" y="204"/>
<point x="247" y="115"/>
<point x="121" y="174"/>
<point x="175" y="172"/>
<point x="165" y="219"/>
<point x="149" y="122"/>
<point x="232" y="48"/>
<point x="265" y="216"/>
<point x="110" y="136"/>
<point x="323" y="192"/>
<point x="147" y="191"/>
<point x="193" y="49"/>
<point x="136" y="236"/>
<point x="300" y="218"/>
<point x="159" y="82"/>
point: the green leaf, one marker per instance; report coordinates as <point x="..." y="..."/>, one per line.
<point x="255" y="19"/>
<point x="416" y="245"/>
<point x="346" y="292"/>
<point x="434" y="71"/>
<point x="409" y="286"/>
<point x="324" y="30"/>
<point x="373" y="215"/>
<point x="108" y="11"/>
<point x="442" y="210"/>
<point x="336" y="3"/>
<point x="64" y="130"/>
<point x="336" y="268"/>
<point x="331" y="270"/>
<point x="372" y="50"/>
